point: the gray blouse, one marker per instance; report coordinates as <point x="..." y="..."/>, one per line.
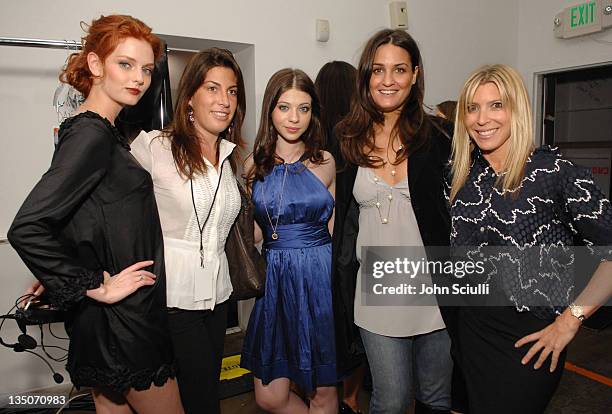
<point x="386" y="218"/>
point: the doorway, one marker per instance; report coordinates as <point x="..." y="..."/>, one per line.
<point x="576" y="116"/>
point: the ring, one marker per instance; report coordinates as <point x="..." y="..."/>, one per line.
<point x="141" y="278"/>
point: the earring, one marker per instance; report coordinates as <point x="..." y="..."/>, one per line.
<point x="229" y="131"/>
<point x="190" y="115"/>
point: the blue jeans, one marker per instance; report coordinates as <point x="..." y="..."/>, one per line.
<point x="407" y="367"/>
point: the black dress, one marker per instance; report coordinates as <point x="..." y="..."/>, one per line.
<point x="558" y="204"/>
<point x="94" y="210"/>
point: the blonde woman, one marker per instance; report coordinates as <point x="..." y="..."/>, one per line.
<point x="504" y="192"/>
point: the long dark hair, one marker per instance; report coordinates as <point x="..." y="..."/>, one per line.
<point x="356" y="130"/>
<point x="336" y="84"/>
<point x="264" y="156"/>
<point x="448" y="109"/>
<point x="184" y="141"/>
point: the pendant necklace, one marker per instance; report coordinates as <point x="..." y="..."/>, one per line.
<point x="274" y="226"/>
<point x="195" y="209"/>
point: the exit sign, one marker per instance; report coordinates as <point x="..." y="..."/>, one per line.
<point x="590" y="16"/>
<point x="584" y="14"/>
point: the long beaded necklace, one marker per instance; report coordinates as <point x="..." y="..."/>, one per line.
<point x="385" y="219"/>
<point x="280" y="204"/>
<point x="385" y="162"/>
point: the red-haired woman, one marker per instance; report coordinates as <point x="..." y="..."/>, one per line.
<point x="90" y="232"/>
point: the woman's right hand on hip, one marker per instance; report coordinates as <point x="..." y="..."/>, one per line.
<point x="123" y="284"/>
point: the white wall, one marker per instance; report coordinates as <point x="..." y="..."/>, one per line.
<point x="540" y="51"/>
<point x="455" y="37"/>
<point x="283" y="32"/>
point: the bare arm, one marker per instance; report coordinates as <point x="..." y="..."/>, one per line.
<point x="248" y="166"/>
<point x="326" y="172"/>
<point x="555" y="337"/>
<point x="331" y="171"/>
<point x="591" y="216"/>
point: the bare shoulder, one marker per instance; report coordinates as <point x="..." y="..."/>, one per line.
<point x="247" y="168"/>
<point x="329" y="163"/>
<point x="328" y="158"/>
<point x="326" y="171"/>
<point x="248" y="163"/>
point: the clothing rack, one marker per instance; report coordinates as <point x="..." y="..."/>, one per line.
<point x="40" y="43"/>
<point x="44" y="44"/>
<point x="48" y="44"/>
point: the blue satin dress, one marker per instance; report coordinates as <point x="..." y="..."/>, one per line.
<point x="291" y="329"/>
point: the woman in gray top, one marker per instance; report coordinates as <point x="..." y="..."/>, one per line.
<point x="390" y="193"/>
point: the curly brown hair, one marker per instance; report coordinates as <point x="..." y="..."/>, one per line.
<point x="103" y="36"/>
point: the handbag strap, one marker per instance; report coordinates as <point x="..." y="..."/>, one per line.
<point x="201" y="228"/>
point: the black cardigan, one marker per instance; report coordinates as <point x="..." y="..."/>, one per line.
<point x="426" y="169"/>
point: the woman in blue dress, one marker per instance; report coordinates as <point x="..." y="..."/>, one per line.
<point x="290" y="337"/>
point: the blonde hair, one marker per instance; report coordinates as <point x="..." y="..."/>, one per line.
<point x="521" y="143"/>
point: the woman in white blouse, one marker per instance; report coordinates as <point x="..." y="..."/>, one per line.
<point x="193" y="164"/>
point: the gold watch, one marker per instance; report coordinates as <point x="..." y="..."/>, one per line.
<point x="577" y="311"/>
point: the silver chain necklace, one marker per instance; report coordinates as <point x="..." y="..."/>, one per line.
<point x="280" y="204"/>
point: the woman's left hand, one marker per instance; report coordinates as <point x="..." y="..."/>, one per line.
<point x="551" y="340"/>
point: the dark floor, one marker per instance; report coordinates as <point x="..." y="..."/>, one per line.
<point x="591" y="350"/>
<point x="577" y="394"/>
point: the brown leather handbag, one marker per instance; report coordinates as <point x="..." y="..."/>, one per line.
<point x="247" y="267"/>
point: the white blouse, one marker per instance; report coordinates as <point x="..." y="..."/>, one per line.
<point x="192" y="285"/>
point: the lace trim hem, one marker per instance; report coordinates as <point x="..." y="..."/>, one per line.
<point x="121" y="379"/>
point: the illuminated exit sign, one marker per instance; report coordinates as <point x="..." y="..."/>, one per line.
<point x="584" y="15"/>
<point x="584" y="18"/>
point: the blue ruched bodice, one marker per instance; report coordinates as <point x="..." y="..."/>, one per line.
<point x="291" y="328"/>
<point x="306" y="207"/>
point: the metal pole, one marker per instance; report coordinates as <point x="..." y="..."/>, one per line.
<point x="53" y="44"/>
<point x="40" y="43"/>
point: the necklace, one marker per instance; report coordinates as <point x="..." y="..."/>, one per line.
<point x="280" y="204"/>
<point x="385" y="219"/>
<point x="212" y="204"/>
<point x="386" y="161"/>
<point x="293" y="156"/>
